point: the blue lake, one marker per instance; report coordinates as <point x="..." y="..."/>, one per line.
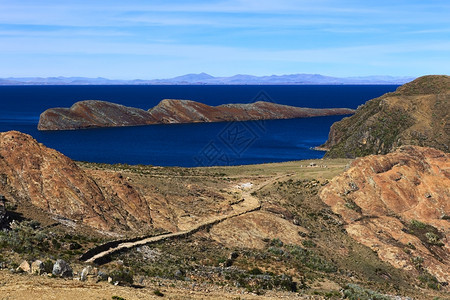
<point x="186" y="145"/>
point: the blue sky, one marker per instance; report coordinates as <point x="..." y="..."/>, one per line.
<point x="161" y="39"/>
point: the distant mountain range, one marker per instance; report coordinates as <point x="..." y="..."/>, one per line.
<point x="206" y="79"/>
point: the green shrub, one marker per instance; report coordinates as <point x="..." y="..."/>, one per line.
<point x="123" y="276"/>
<point x="276" y="242"/>
<point x="309" y="244"/>
<point x="433" y="239"/>
<point x="417" y="224"/>
<point x="356" y="292"/>
<point x="255" y="271"/>
<point x="430" y="281"/>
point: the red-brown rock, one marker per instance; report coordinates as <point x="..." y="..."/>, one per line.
<point x="93" y="113"/>
<point x="47" y="179"/>
<point x="388" y="200"/>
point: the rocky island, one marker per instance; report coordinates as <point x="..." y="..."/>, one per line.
<point x="95" y="113"/>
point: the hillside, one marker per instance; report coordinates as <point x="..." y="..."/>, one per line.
<point x="398" y="205"/>
<point x="33" y="175"/>
<point x="93" y="113"/>
<point x="258" y="231"/>
<point x="417" y="113"/>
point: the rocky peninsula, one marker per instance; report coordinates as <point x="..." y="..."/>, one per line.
<point x="95" y="113"/>
<point x="417" y="113"/>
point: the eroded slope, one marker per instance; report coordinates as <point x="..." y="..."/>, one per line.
<point x="398" y="205"/>
<point x="33" y="173"/>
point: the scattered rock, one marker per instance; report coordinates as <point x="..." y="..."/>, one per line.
<point x="62" y="268"/>
<point x="84" y="274"/>
<point x="37" y="267"/>
<point x="179" y="273"/>
<point x="24" y="267"/>
<point x="102" y="276"/>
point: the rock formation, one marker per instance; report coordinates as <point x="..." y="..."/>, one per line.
<point x="49" y="180"/>
<point x="398" y="205"/>
<point x="417" y="113"/>
<point x="94" y="113"/>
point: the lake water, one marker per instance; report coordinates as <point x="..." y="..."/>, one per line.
<point x="187" y="145"/>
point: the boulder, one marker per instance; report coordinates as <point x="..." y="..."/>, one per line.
<point x="37" y="267"/>
<point x="24" y="267"/>
<point x="84" y="274"/>
<point x="62" y="268"/>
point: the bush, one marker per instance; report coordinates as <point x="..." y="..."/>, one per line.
<point x="418" y="224"/>
<point x="430" y="281"/>
<point x="355" y="292"/>
<point x="122" y="276"/>
<point x="48" y="266"/>
<point x="276" y="243"/>
<point x="309" y="244"/>
<point x="433" y="239"/>
<point x="255" y="271"/>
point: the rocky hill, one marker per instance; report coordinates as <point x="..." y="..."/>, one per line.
<point x="94" y="113"/>
<point x="417" y="113"/>
<point x="398" y="205"/>
<point x="31" y="173"/>
<point x="286" y="230"/>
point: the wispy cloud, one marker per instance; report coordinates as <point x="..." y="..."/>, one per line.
<point x="221" y="34"/>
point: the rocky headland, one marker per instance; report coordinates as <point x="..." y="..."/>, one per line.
<point x="95" y="113"/>
<point x="417" y="113"/>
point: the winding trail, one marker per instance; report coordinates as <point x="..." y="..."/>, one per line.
<point x="249" y="204"/>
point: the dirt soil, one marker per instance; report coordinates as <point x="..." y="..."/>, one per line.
<point x="26" y="287"/>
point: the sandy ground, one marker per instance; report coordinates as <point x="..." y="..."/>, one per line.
<point x="33" y="287"/>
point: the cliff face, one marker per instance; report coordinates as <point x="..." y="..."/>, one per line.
<point x="417" y="113"/>
<point x="398" y="205"/>
<point x="47" y="179"/>
<point x="93" y="113"/>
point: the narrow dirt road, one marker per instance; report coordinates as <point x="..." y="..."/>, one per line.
<point x="249" y="204"/>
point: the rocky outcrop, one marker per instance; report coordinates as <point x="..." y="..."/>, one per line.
<point x="93" y="113"/>
<point x="49" y="180"/>
<point x="417" y="113"/>
<point x="398" y="205"/>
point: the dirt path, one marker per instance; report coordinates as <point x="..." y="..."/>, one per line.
<point x="249" y="204"/>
